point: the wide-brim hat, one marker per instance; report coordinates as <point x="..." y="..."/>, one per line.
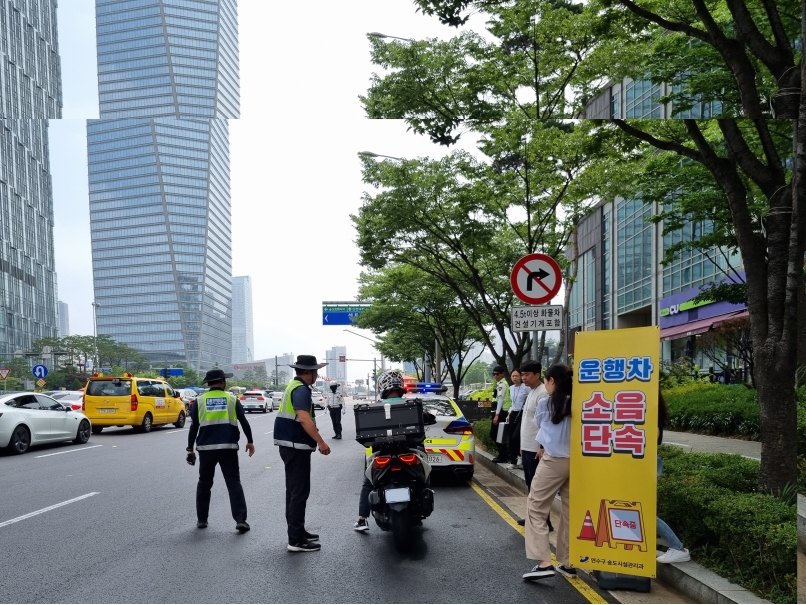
<point x="215" y="375"/>
<point x="306" y="362"/>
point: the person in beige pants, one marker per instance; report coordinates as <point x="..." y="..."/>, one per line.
<point x="553" y="421"/>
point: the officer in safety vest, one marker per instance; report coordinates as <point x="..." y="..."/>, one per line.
<point x="214" y="418"/>
<point x="501" y="412"/>
<point x="295" y="432"/>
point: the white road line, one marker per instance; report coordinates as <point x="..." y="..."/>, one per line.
<point x="49" y="508"/>
<point x="269" y="433"/>
<point x="176" y="431"/>
<point x="69" y="451"/>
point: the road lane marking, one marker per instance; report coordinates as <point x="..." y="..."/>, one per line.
<point x="176" y="431"/>
<point x="69" y="451"/>
<point x="585" y="590"/>
<point x="49" y="508"/>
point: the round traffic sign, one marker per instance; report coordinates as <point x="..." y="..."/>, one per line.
<point x="40" y="371"/>
<point x="536" y="279"/>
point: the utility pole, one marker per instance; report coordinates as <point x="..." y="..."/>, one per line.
<point x="426" y="368"/>
<point x="438" y="362"/>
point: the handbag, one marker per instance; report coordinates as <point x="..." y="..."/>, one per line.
<point x="503" y="432"/>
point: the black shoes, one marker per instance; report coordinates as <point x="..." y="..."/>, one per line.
<point x="522" y="522"/>
<point x="337" y="436"/>
<point x="499" y="460"/>
<point x="242" y="527"/>
<point x="304" y="547"/>
<point x="568" y="572"/>
<point x="309" y="537"/>
<point x="201" y="525"/>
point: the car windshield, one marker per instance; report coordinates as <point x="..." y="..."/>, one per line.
<point x="109" y="388"/>
<point x="438" y="407"/>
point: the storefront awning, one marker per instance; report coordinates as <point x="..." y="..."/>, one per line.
<point x="699" y="326"/>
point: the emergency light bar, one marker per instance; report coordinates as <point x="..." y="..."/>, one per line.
<point x="426" y="387"/>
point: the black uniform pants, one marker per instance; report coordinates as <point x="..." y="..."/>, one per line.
<point x="297" y="489"/>
<point x="503" y="450"/>
<point x="228" y="460"/>
<point x="335" y="416"/>
<point x="514" y="435"/>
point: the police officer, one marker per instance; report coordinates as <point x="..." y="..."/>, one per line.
<point x="295" y="432"/>
<point x="501" y="412"/>
<point x="214" y="418"/>
<point x="336" y="406"/>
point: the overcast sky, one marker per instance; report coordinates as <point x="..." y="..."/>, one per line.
<point x="295" y="171"/>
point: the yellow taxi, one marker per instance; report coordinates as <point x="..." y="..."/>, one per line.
<point x="129" y="400"/>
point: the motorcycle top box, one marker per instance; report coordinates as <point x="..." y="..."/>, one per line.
<point x="389" y="421"/>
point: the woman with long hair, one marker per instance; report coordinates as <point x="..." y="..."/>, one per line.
<point x="553" y="422"/>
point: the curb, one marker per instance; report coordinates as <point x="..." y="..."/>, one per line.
<point x="801" y="523"/>
<point x="690" y="579"/>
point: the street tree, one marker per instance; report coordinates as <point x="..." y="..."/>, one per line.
<point x="410" y="302"/>
<point x="479" y="370"/>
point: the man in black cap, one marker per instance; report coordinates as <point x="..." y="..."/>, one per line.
<point x="296" y="434"/>
<point x="214" y="418"/>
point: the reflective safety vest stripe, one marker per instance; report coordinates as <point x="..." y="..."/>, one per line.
<point x="217" y="408"/>
<point x="507" y="398"/>
<point x="288" y="431"/>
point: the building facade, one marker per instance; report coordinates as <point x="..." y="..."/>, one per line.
<point x="30" y="94"/>
<point x="64" y="319"/>
<point x="160" y="207"/>
<point x="243" y="338"/>
<point x="621" y="282"/>
<point x="336" y="369"/>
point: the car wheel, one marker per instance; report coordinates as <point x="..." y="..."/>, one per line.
<point x="20" y="440"/>
<point x="147" y="423"/>
<point x="180" y="422"/>
<point x="96" y="430"/>
<point x="265" y="409"/>
<point x="83" y="433"/>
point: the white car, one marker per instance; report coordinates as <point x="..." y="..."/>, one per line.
<point x="28" y="419"/>
<point x="74" y="398"/>
<point x="256" y="401"/>
<point x="276" y="398"/>
<point x="318" y="400"/>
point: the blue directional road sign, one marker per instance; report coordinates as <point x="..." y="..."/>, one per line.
<point x="39" y="371"/>
<point x="341" y="315"/>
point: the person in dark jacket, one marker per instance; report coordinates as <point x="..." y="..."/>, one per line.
<point x="214" y="420"/>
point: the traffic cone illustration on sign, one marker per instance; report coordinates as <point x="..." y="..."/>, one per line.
<point x="588" y="532"/>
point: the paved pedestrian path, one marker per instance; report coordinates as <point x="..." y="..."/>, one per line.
<point x="692" y="442"/>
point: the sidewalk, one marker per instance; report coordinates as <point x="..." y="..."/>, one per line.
<point x="692" y="442"/>
<point x="696" y="583"/>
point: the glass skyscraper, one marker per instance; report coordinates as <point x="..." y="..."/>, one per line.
<point x="30" y="93"/>
<point x="159" y="177"/>
<point x="243" y="337"/>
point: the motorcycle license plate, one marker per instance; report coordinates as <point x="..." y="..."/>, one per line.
<point x="400" y="494"/>
<point x="434" y="458"/>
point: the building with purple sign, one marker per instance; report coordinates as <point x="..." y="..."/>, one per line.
<point x="621" y="282"/>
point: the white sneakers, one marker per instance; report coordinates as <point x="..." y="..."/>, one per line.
<point x="675" y="556"/>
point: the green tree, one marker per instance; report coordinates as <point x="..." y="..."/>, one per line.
<point x="478" y="372"/>
<point x="411" y="311"/>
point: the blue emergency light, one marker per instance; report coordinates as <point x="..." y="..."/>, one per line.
<point x="426" y="387"/>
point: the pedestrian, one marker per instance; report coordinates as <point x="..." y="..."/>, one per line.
<point x="335" y="405"/>
<point x="531" y="374"/>
<point x="501" y="411"/>
<point x="296" y="434"/>
<point x="518" y="392"/>
<point x="675" y="553"/>
<point x="553" y="422"/>
<point x="214" y="418"/>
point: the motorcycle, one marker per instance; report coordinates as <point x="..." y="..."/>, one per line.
<point x="401" y="498"/>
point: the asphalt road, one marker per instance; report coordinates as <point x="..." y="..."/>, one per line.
<point x="134" y="538"/>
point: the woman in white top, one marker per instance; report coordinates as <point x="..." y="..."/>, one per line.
<point x="553" y="422"/>
<point x="518" y="392"/>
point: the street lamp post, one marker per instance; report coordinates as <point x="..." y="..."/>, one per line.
<point x="95" y="305"/>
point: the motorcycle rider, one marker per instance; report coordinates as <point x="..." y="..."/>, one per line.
<point x="391" y="385"/>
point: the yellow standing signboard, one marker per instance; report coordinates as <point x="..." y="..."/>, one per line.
<point x="614" y="436"/>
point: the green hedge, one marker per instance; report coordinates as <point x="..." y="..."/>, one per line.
<point x="713" y="409"/>
<point x="481" y="431"/>
<point x="709" y="500"/>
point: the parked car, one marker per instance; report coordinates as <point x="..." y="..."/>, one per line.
<point x="318" y="400"/>
<point x="28" y="419"/>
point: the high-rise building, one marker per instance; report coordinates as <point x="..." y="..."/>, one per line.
<point x="159" y="176"/>
<point x="335" y="368"/>
<point x="30" y="93"/>
<point x="64" y="319"/>
<point x="243" y="338"/>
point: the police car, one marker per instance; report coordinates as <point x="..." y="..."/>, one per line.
<point x="449" y="444"/>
